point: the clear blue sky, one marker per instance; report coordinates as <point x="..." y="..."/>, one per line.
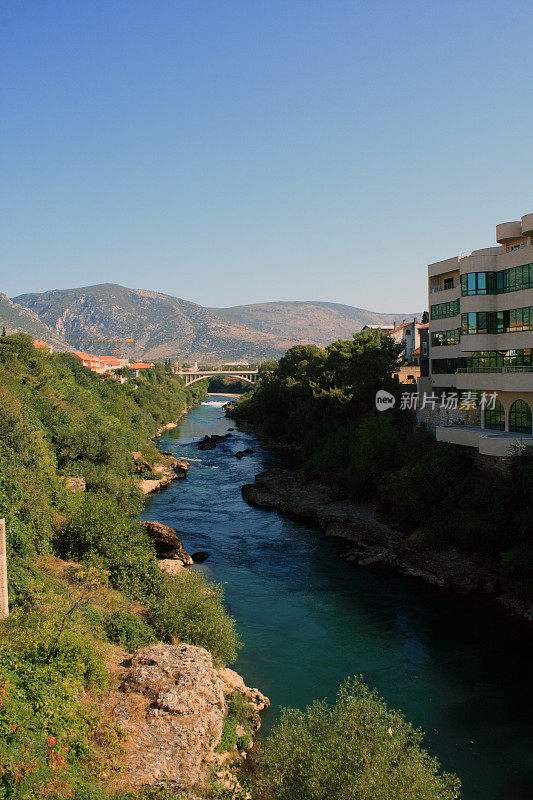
<point x="235" y="151"/>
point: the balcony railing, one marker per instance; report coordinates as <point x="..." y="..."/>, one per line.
<point x="474" y="370"/>
<point x="433" y="289"/>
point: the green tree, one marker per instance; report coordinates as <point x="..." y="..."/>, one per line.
<point x="355" y="750"/>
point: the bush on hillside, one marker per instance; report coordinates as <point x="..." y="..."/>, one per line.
<point x="128" y="630"/>
<point x="355" y="749"/>
<point x="97" y="526"/>
<point x="191" y="611"/>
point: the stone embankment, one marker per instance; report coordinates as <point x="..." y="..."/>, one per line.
<point x="370" y="541"/>
<point x="170" y="704"/>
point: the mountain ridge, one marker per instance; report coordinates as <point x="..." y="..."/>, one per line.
<point x="164" y="326"/>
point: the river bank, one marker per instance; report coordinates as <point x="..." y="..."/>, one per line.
<point x="370" y="541"/>
<point x="457" y="666"/>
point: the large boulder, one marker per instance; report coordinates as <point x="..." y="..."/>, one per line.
<point x="170" y="707"/>
<point x="181" y="467"/>
<point x="166" y="542"/>
<point x="210" y="442"/>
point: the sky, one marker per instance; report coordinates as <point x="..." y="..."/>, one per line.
<point x="241" y="151"/>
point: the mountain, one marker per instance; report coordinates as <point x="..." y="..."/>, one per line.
<point x="15" y="318"/>
<point x="162" y="326"/>
<point x="169" y="327"/>
<point x="313" y="321"/>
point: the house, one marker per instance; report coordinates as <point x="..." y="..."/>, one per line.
<point x="420" y="356"/>
<point x="407" y="335"/>
<point x="481" y="338"/>
<point x="42" y="345"/>
<point x="89" y="361"/>
<point x="136" y="367"/>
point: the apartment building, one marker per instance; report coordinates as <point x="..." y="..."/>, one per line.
<point x="481" y="337"/>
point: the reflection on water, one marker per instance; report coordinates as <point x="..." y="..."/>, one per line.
<point x="308" y="620"/>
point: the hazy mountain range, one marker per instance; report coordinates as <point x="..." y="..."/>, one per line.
<point x="169" y="327"/>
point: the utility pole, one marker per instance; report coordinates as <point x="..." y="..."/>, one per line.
<point x="4" y="603"/>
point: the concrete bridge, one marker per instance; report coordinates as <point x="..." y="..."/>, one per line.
<point x="191" y="376"/>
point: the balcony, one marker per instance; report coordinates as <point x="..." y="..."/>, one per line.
<point x="504" y="379"/>
<point x="442" y="288"/>
<point x="487" y="442"/>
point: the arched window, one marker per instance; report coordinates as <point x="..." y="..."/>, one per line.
<point x="495" y="417"/>
<point x="520" y="418"/>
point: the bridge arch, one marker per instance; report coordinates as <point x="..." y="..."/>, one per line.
<point x="250" y="376"/>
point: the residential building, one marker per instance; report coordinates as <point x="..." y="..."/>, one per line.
<point x="420" y="356"/>
<point x="481" y="336"/>
<point x="382" y="328"/>
<point x="407" y="334"/>
<point x="41" y="345"/>
<point x="100" y="364"/>
<point x="136" y="367"/>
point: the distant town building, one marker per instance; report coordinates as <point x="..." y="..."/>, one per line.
<point x="41" y="345"/>
<point x="405" y="333"/>
<point x="481" y="337"/>
<point x="136" y="367"/>
<point x="100" y="364"/>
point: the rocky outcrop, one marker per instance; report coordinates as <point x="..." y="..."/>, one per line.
<point x="370" y="541"/>
<point x="166" y="542"/>
<point x="170" y="707"/>
<point x="241" y="453"/>
<point x="210" y="442"/>
<point x="234" y="683"/>
<point x="169" y="470"/>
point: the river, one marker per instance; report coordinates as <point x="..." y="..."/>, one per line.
<point x="456" y="667"/>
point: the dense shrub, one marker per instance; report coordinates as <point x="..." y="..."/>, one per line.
<point x="128" y="630"/>
<point x="51" y="739"/>
<point x="429" y="490"/>
<point x="96" y="526"/>
<point x="191" y="611"/>
<point x="355" y="749"/>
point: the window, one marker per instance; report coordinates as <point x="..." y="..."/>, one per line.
<point x="514" y="321"/>
<point x="448" y="283"/>
<point x="520" y="418"/>
<point x="442" y="310"/>
<point x="441" y="338"/>
<point x="497" y="360"/>
<point x="506" y="280"/>
<point x="444" y="366"/>
<point x="495" y="417"/>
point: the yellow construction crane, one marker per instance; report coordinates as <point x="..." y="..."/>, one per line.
<point x="115" y="340"/>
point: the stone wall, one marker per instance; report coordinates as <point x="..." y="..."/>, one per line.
<point x="431" y="418"/>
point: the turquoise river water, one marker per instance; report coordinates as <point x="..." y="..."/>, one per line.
<point x="455" y="666"/>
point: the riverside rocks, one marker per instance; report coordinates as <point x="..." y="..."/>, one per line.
<point x="210" y="442"/>
<point x="170" y="706"/>
<point x="370" y="541"/>
<point x="169" y="470"/>
<point x="166" y="542"/>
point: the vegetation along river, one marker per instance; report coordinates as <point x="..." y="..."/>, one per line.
<point x="457" y="668"/>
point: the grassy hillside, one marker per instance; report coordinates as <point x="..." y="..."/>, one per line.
<point x="79" y="565"/>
